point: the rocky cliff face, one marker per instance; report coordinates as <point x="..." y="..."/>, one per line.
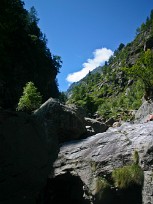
<point x="67" y="122"/>
<point x="83" y="162"/>
<point x="82" y="173"/>
<point x="61" y="120"/>
<point x="142" y="115"/>
<point x="29" y="146"/>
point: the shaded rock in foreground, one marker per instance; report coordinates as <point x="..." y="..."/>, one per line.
<point x="61" y="120"/>
<point x="26" y="158"/>
<point x="65" y="189"/>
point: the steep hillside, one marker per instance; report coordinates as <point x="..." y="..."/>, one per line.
<point x="24" y="55"/>
<point x="110" y="91"/>
<point x="73" y="85"/>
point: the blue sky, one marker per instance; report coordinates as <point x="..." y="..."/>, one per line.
<point x="86" y="32"/>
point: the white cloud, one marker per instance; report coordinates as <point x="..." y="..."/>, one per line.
<point x="100" y="56"/>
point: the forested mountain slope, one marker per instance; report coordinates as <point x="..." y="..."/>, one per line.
<point x="118" y="88"/>
<point x="24" y="55"/>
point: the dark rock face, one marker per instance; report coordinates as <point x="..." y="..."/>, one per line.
<point x="148" y="44"/>
<point x="26" y="157"/>
<point x="61" y="120"/>
<point x="93" y="126"/>
<point x="65" y="189"/>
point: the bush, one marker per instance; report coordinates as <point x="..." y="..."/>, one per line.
<point x="129" y="175"/>
<point x="102" y="186"/>
<point x="142" y="69"/>
<point x="136" y="157"/>
<point x="31" y="98"/>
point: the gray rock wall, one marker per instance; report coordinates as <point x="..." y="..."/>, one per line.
<point x="144" y="111"/>
<point x="100" y="154"/>
<point x="147" y="192"/>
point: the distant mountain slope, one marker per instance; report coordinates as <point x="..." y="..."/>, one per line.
<point x="73" y="85"/>
<point x="108" y="90"/>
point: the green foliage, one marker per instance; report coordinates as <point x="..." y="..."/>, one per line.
<point x="102" y="186"/>
<point x="62" y="97"/>
<point x="24" y="54"/>
<point x="120" y="106"/>
<point x="31" y="98"/>
<point x="147" y="25"/>
<point x="57" y="62"/>
<point x="143" y="69"/>
<point x="104" y="94"/>
<point x="129" y="175"/>
<point x="108" y="93"/>
<point x="82" y="94"/>
<point x="32" y="15"/>
<point x="136" y="157"/>
<point x="121" y="46"/>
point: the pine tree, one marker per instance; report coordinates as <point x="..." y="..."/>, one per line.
<point x="31" y="98"/>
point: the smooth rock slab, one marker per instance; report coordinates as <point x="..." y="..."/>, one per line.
<point x="104" y="152"/>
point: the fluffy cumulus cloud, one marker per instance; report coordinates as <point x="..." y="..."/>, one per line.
<point x="100" y="56"/>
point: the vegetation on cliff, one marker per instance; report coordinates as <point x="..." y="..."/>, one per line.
<point x="129" y="175"/>
<point x="142" y="70"/>
<point x="111" y="91"/>
<point x="24" y="55"/>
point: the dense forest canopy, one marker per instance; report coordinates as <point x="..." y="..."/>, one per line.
<point x="24" y="55"/>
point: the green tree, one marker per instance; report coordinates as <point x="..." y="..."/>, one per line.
<point x="24" y="55"/>
<point x="33" y="15"/>
<point x="120" y="47"/>
<point x="57" y="62"/>
<point x="31" y="98"/>
<point x="143" y="70"/>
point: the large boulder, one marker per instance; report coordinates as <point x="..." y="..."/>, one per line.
<point x="92" y="161"/>
<point x="94" y="126"/>
<point x="61" y="120"/>
<point x="144" y="111"/>
<point x="26" y="157"/>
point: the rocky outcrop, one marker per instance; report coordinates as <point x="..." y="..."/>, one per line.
<point x="68" y="122"/>
<point x="148" y="44"/>
<point x="148" y="186"/>
<point x="26" y="157"/>
<point x="144" y="111"/>
<point x="94" y="126"/>
<point x="99" y="155"/>
<point x="65" y="122"/>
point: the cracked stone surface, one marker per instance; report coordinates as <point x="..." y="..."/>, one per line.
<point x="103" y="152"/>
